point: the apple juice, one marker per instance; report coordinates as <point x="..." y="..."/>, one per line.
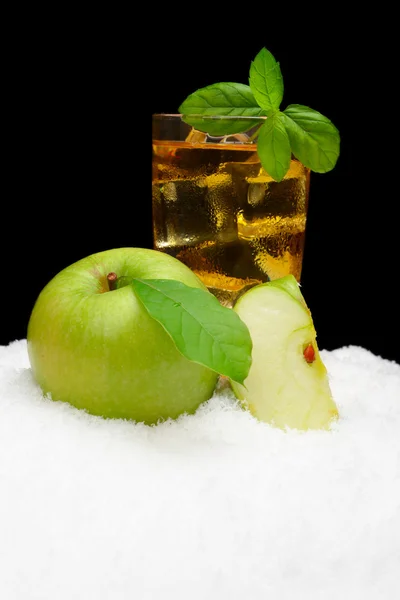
<point x="219" y="212"/>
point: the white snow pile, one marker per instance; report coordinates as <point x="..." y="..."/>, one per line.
<point x="214" y="506"/>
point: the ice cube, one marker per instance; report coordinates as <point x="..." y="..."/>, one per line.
<point x="241" y="138"/>
<point x="196" y="137"/>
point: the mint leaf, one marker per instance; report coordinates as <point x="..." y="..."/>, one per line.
<point x="221" y="99"/>
<point x="314" y="140"/>
<point x="273" y="147"/>
<point x="203" y="330"/>
<point x="266" y="81"/>
<point x="310" y="137"/>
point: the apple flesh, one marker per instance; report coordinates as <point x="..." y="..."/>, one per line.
<point x="101" y="351"/>
<point x="288" y="384"/>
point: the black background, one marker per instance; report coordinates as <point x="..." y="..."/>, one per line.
<point x="77" y="172"/>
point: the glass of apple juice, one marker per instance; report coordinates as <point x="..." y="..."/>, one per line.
<point x="218" y="211"/>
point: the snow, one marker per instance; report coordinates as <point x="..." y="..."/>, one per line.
<point x="213" y="506"/>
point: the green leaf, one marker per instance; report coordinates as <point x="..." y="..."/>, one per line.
<point x="203" y="330"/>
<point x="266" y="81"/>
<point x="224" y="98"/>
<point x="219" y="100"/>
<point x="311" y="137"/>
<point x="314" y="140"/>
<point x="273" y="147"/>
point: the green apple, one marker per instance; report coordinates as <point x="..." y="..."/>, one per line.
<point x="100" y="350"/>
<point x="288" y="384"/>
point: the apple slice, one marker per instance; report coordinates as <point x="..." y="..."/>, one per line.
<point x="287" y="384"/>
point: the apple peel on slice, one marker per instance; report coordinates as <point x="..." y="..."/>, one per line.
<point x="288" y="384"/>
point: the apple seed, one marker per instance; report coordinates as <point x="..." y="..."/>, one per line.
<point x="309" y="353"/>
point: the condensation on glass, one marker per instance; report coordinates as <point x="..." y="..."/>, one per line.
<point x="218" y="211"/>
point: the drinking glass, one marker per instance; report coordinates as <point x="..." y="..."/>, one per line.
<point x="218" y="211"/>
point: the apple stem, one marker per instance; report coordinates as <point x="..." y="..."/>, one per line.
<point x="112" y="281"/>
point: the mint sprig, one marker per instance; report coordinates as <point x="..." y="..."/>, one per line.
<point x="202" y="329"/>
<point x="299" y="130"/>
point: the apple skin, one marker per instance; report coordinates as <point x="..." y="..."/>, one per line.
<point x="101" y="351"/>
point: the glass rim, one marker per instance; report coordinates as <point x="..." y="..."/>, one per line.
<point x="209" y="117"/>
